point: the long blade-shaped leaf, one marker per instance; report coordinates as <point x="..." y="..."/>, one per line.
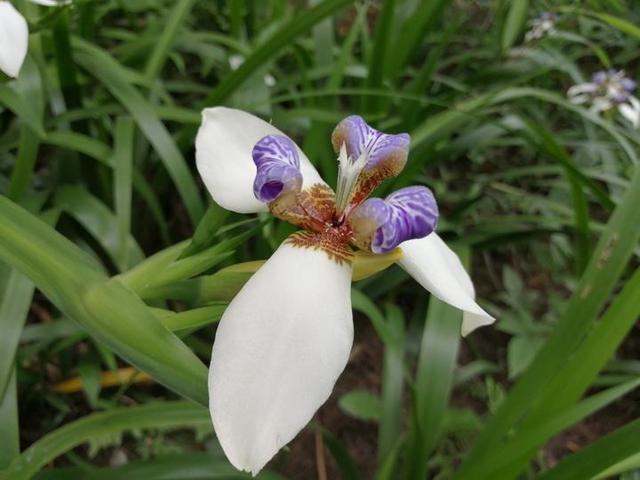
<point x="268" y="50"/>
<point x="577" y="373"/>
<point x="392" y="385"/>
<point x="183" y="466"/>
<point x="105" y="68"/>
<point x="514" y="22"/>
<point x="162" y="47"/>
<point x="100" y="222"/>
<point x="599" y="456"/>
<point x="16" y="291"/>
<point x="540" y="432"/>
<point x="609" y="260"/>
<point x="9" y="423"/>
<point x="123" y="181"/>
<point x="156" y="415"/>
<point x="105" y="308"/>
<point x="434" y="379"/>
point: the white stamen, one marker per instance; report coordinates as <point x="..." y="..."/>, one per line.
<point x="348" y="173"/>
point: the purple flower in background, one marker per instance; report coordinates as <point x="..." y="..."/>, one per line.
<point x="286" y="336"/>
<point x="607" y="90"/>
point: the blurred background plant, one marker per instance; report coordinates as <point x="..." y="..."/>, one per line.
<point x="115" y="266"/>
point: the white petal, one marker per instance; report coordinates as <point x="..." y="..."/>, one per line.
<point x="631" y="111"/>
<point x="600" y="104"/>
<point x="576" y="93"/>
<point x="279" y="349"/>
<point x="51" y="3"/>
<point x="579" y="99"/>
<point x="438" y="269"/>
<point x="235" y="61"/>
<point x="14" y="39"/>
<point x="223" y="157"/>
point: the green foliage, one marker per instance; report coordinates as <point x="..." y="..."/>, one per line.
<point x="110" y="258"/>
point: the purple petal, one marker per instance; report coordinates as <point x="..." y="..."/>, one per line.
<point x="359" y="137"/>
<point x="620" y="97"/>
<point x="382" y="155"/>
<point x="278" y="168"/>
<point x="382" y="225"/>
<point x="628" y="84"/>
<point x="599" y="77"/>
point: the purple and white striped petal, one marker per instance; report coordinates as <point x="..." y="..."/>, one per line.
<point x="359" y="138"/>
<point x="224" y="144"/>
<point x="367" y="157"/>
<point x="381" y="225"/>
<point x="278" y="168"/>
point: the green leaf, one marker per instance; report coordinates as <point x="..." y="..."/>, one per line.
<point x="184" y="268"/>
<point x="344" y="462"/>
<point x="283" y="37"/>
<point x="10" y="99"/>
<point x="89" y="373"/>
<point x="102" y="152"/>
<point x="629" y="464"/>
<point x="346" y="50"/>
<point x="123" y="180"/>
<point x="390" y="428"/>
<point x="378" y="57"/>
<point x="599" y="456"/>
<point x="195" y="318"/>
<point x="408" y="37"/>
<point x="599" y="345"/>
<point x="29" y="86"/>
<point x="9" y="423"/>
<point x="433" y="384"/>
<point x="16" y="291"/>
<point x="106" y="70"/>
<point x="81" y="143"/>
<point x="183" y="466"/>
<point x="154" y="415"/>
<point x="110" y="312"/>
<point x="615" y="247"/>
<point x="362" y="303"/>
<point x="448" y="121"/>
<point x="100" y="222"/>
<point x="520" y="352"/>
<point x="205" y="232"/>
<point x="536" y="434"/>
<point x="176" y="18"/>
<point x="222" y="286"/>
<point x="617" y="22"/>
<point x="361" y="404"/>
<point x="515" y="21"/>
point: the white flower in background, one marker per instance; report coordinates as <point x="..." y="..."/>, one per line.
<point x="286" y="336"/>
<point x="607" y="90"/>
<point x="14" y="39"/>
<point x="14" y="35"/>
<point x="542" y="25"/>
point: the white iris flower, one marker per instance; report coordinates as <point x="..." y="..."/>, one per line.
<point x="286" y="336"/>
